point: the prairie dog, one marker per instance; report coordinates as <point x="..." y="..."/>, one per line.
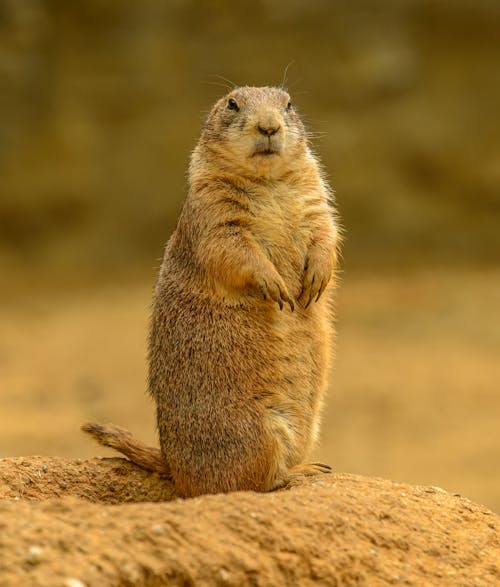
<point x="241" y="329"/>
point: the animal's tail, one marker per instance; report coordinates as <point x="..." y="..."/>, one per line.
<point x="123" y="441"/>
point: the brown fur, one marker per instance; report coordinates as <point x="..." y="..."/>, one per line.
<point x="240" y="337"/>
<point x="147" y="457"/>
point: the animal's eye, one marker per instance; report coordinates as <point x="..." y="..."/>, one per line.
<point x="289" y="105"/>
<point x="232" y="104"/>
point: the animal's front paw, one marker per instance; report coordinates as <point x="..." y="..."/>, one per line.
<point x="273" y="287"/>
<point x="318" y="270"/>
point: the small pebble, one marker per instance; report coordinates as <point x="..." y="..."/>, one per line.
<point x="71" y="582"/>
<point x="34" y="555"/>
<point x="318" y="483"/>
<point x="131" y="573"/>
<point x="223" y="574"/>
<point x="45" y="468"/>
<point x="157" y="529"/>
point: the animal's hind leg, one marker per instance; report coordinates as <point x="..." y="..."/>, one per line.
<point x="289" y="452"/>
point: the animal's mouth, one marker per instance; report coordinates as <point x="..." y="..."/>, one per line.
<point x="266" y="149"/>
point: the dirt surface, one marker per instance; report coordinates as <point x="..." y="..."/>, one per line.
<point x="62" y="523"/>
<point x="414" y="395"/>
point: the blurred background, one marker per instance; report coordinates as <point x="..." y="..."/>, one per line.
<point x="101" y="102"/>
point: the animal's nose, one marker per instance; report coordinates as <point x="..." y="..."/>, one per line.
<point x="268" y="129"/>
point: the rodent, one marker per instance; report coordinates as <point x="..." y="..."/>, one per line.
<point x="241" y="329"/>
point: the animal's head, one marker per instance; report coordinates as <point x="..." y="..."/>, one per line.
<point x="255" y="131"/>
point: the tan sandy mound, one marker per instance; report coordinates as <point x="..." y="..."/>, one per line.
<point x="60" y="525"/>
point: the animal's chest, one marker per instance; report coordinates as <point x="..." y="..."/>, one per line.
<point x="281" y="230"/>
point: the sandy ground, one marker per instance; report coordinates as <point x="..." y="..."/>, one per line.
<point x="414" y="395"/>
<point x="337" y="530"/>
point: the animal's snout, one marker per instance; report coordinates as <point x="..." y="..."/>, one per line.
<point x="268" y="129"/>
<point x="268" y="123"/>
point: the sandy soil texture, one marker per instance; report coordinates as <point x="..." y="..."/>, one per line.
<point x="61" y="524"/>
<point x="413" y="396"/>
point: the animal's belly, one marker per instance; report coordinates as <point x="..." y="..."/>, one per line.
<point x="224" y="354"/>
<point x="223" y="372"/>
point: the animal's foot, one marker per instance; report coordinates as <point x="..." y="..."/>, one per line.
<point x="305" y="470"/>
<point x="309" y="469"/>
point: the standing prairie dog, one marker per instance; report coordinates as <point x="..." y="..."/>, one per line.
<point x="240" y="336"/>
